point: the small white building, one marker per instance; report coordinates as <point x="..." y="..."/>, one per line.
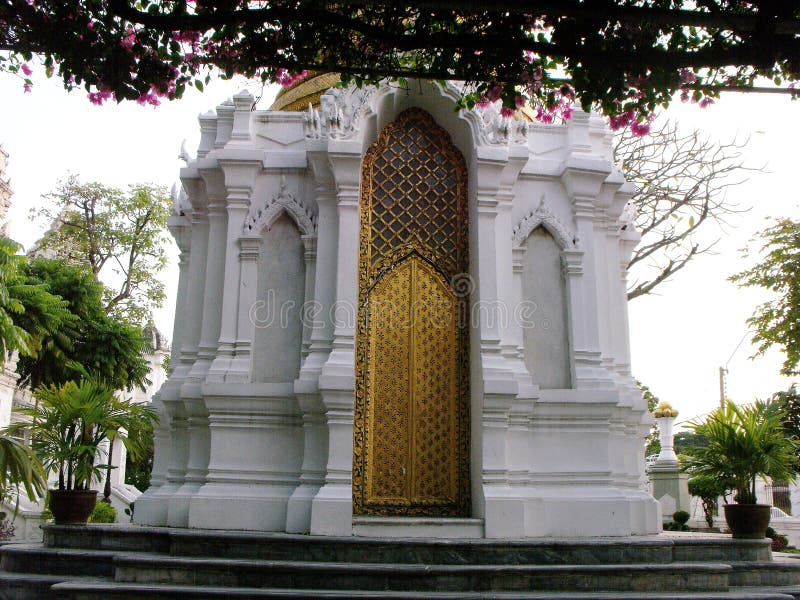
<point x="399" y="318"/>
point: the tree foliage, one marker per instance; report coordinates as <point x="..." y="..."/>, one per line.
<point x="777" y="321"/>
<point x="681" y="181"/>
<point x="620" y="57"/>
<point x="91" y="343"/>
<point x="138" y="469"/>
<point x="789" y="401"/>
<point x="120" y="235"/>
<point x="653" y="444"/>
<point x="29" y="314"/>
<point x="708" y="489"/>
<point x="689" y="439"/>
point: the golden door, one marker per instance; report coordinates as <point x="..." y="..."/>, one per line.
<point x="411" y="429"/>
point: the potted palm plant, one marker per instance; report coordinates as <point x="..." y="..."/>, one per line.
<point x="744" y="443"/>
<point x="67" y="426"/>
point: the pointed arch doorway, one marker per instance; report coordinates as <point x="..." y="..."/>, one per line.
<point x="411" y="419"/>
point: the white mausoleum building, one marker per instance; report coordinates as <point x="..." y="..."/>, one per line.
<point x="395" y="318"/>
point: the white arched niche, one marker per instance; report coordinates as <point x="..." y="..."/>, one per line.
<point x="278" y="336"/>
<point x="546" y="339"/>
<point x="541" y="239"/>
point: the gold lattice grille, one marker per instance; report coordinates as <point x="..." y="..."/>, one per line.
<point x="411" y="438"/>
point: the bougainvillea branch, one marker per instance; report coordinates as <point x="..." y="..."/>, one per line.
<point x="621" y="57"/>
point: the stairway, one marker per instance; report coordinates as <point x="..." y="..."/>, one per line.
<point x="130" y="562"/>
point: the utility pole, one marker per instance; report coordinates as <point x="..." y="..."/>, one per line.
<point x="722" y="391"/>
<point x="723" y="373"/>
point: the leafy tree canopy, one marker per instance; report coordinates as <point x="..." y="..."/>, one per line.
<point x="29" y="313"/>
<point x="789" y="401"/>
<point x="94" y="343"/>
<point x="119" y="235"/>
<point x="775" y="322"/>
<point x="689" y="439"/>
<point x="621" y="57"/>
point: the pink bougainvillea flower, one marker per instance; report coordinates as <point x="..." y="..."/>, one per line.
<point x="100" y="96"/>
<point x="706" y="102"/>
<point x="686" y="76"/>
<point x="26" y="69"/>
<point x="27" y="88"/>
<point x="640" y="129"/>
<point x="507" y="112"/>
<point x="494" y="91"/>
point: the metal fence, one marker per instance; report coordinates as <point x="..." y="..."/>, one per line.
<point x="778" y="495"/>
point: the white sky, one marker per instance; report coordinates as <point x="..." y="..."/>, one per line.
<point x="679" y="337"/>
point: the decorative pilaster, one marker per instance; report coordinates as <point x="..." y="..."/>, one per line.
<point x="320" y="322"/>
<point x="241" y="365"/>
<point x="240" y="172"/>
<point x="583" y="175"/>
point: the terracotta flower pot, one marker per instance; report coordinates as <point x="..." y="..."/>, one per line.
<point x="72" y="506"/>
<point x="748" y="521"/>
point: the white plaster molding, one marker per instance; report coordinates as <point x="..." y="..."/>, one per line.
<point x="283" y="201"/>
<point x="543" y="216"/>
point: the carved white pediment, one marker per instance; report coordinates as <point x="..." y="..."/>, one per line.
<point x="498" y="130"/>
<point x="339" y="113"/>
<point x="544" y="216"/>
<point x="283" y="201"/>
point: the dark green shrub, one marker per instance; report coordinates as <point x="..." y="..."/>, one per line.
<point x="103" y="513"/>
<point x="681" y="517"/>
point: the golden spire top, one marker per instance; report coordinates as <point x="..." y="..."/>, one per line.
<point x="298" y="96"/>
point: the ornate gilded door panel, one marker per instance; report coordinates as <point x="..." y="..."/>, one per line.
<point x="411" y="436"/>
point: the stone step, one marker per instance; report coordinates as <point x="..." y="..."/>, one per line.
<point x="131" y="591"/>
<point x="97" y="536"/>
<point x="26" y="586"/>
<point x="34" y="558"/>
<point x="276" y="546"/>
<point x="239" y="573"/>
<point x="776" y="573"/>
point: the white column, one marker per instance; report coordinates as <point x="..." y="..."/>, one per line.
<point x="503" y="512"/>
<point x="332" y="507"/>
<point x="153" y="504"/>
<point x="179" y="417"/>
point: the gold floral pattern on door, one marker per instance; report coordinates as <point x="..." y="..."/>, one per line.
<point x="411" y="429"/>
